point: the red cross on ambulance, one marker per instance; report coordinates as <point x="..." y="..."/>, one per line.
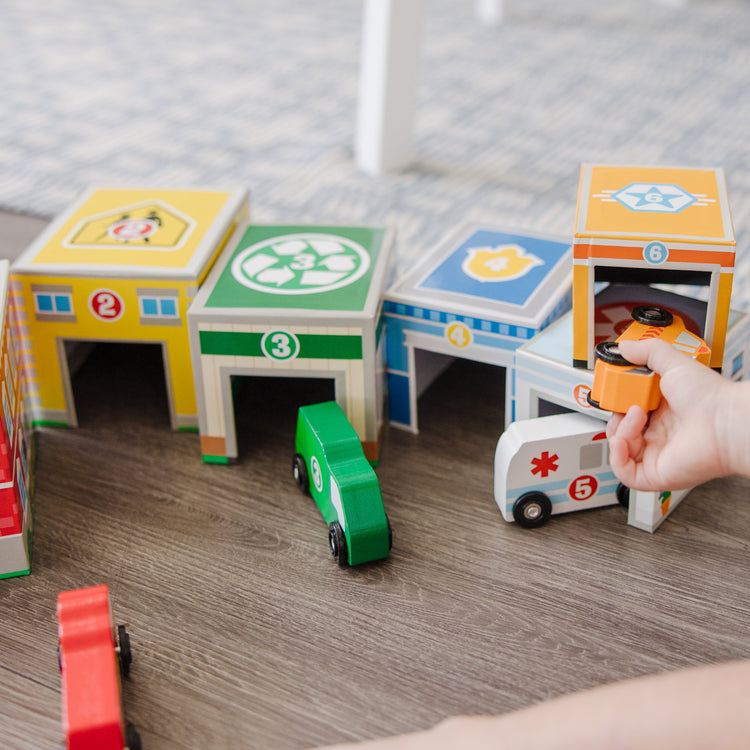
<point x="544" y="464"/>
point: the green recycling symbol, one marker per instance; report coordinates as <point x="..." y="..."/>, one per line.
<point x="301" y="264"/>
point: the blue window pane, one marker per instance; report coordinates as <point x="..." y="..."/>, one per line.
<point x="22" y="452"/>
<point x="62" y="303"/>
<point x="150" y="307"/>
<point x="8" y="423"/>
<point x="45" y="302"/>
<point x="169" y="307"/>
<point x="22" y="488"/>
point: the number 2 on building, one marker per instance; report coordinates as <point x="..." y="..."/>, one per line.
<point x="106" y="305"/>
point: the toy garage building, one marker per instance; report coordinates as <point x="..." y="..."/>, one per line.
<point x="652" y="225"/>
<point x="478" y="296"/>
<point x="292" y="301"/>
<point x="15" y="459"/>
<point x="119" y="266"/>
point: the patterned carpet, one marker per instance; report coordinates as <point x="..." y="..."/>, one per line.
<point x="263" y="93"/>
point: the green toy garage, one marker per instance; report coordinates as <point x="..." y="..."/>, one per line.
<point x="292" y="301"/>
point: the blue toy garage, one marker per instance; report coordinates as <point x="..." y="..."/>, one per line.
<point x="479" y="295"/>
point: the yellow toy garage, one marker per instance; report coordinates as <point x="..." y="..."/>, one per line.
<point x="652" y="225"/>
<point x="119" y="266"/>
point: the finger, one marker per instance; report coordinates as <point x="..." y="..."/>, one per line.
<point x="613" y="424"/>
<point x="621" y="461"/>
<point x="619" y="452"/>
<point x="632" y="424"/>
<point x="656" y="354"/>
<point x="626" y="442"/>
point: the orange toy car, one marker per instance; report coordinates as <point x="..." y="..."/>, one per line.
<point x="619" y="384"/>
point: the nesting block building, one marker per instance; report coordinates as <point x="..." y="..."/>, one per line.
<point x="479" y="296"/>
<point x="120" y="265"/>
<point x="652" y="225"/>
<point x="292" y="301"/>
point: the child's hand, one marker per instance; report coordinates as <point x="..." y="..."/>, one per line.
<point x="687" y="440"/>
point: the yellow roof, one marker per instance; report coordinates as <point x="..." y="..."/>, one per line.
<point x="135" y="232"/>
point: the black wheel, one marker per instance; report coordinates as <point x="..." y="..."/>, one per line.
<point x="532" y="509"/>
<point x="125" y="655"/>
<point x="623" y="495"/>
<point x="301" y="477"/>
<point x="609" y="352"/>
<point x="591" y="401"/>
<point x="132" y="738"/>
<point x="652" y="316"/>
<point x="337" y="543"/>
<point x="390" y="533"/>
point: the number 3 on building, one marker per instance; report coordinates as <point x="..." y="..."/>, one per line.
<point x="279" y="345"/>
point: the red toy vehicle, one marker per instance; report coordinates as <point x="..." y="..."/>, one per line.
<point x="93" y="656"/>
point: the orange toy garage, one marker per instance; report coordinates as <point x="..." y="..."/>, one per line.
<point x="652" y="225"/>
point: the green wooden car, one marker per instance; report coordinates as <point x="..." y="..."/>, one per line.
<point x="329" y="464"/>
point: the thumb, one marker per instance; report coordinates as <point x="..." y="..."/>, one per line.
<point x="656" y="354"/>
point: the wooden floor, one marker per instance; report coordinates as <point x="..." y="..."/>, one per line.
<point x="247" y="635"/>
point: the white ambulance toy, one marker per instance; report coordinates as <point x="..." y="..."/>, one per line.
<point x="553" y="465"/>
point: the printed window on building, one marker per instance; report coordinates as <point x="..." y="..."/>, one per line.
<point x="159" y="307"/>
<point x="11" y="352"/>
<point x="9" y="380"/>
<point x="22" y="451"/>
<point x="53" y="303"/>
<point x="21" y="488"/>
<point x="7" y="414"/>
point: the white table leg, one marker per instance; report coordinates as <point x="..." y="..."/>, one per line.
<point x="391" y="40"/>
